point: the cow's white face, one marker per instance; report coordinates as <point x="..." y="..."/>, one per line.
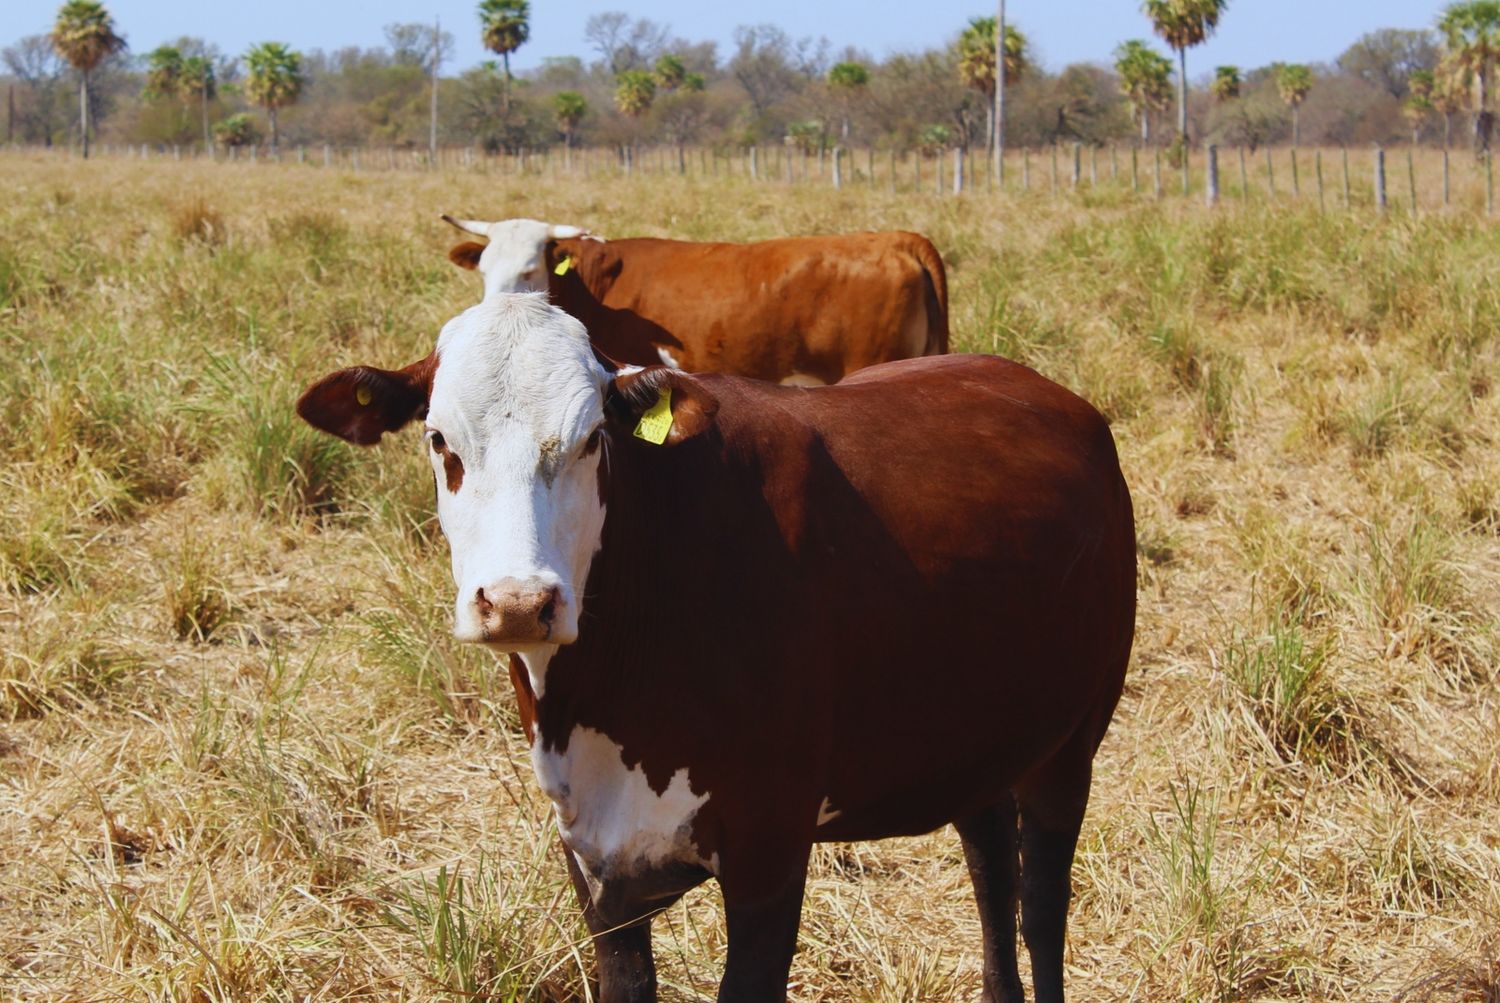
<point x="514" y="260"/>
<point x="513" y="435"/>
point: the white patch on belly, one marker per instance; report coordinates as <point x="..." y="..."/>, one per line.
<point x="608" y="815"/>
<point x="827" y="812"/>
<point x="667" y="359"/>
<point x="803" y="380"/>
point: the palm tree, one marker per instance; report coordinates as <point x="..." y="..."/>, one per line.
<point x="670" y="73"/>
<point x="635" y="90"/>
<point x="846" y="80"/>
<point x="504" y="26"/>
<point x="568" y="107"/>
<point x="1226" y="85"/>
<point x="976" y="59"/>
<point x="1183" y="24"/>
<point x="1472" y="31"/>
<point x="273" y="80"/>
<point x="84" y="35"/>
<point x="1450" y="83"/>
<point x="1145" y="80"/>
<point x="1293" y="81"/>
<point x="163" y="73"/>
<point x="197" y="80"/>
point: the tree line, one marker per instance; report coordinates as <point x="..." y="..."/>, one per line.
<point x="640" y="84"/>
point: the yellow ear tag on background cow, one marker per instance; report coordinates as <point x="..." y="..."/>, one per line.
<point x="563" y="266"/>
<point x="362" y="394"/>
<point x="657" y="421"/>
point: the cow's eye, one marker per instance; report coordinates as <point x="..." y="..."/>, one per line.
<point x="439" y="444"/>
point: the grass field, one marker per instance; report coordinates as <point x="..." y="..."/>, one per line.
<point x="240" y="758"/>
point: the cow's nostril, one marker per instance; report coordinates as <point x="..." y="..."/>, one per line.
<point x="485" y="606"/>
<point x="549" y="609"/>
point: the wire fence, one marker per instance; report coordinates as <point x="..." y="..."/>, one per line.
<point x="1408" y="179"/>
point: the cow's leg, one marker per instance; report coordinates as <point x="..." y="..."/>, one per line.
<point x="989" y="839"/>
<point x="762" y="938"/>
<point x="1052" y="802"/>
<point x="627" y="970"/>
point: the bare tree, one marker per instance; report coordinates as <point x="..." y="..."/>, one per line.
<point x="625" y="43"/>
<point x="39" y="69"/>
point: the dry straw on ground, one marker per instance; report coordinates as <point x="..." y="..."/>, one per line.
<point x="239" y="758"/>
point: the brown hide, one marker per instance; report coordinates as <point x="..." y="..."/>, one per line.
<point x="815" y="306"/>
<point x="907" y="594"/>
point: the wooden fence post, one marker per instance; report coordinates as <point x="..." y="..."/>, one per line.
<point x="1244" y="176"/>
<point x="838" y="177"/>
<point x="1187" y="169"/>
<point x="1212" y="186"/>
<point x="958" y="170"/>
<point x="1296" y="176"/>
<point x="1318" y="166"/>
<point x="1114" y="163"/>
<point x="1026" y="169"/>
<point x="1380" y="179"/>
<point x="1093" y="166"/>
<point x="1135" y="169"/>
<point x="916" y="171"/>
<point x="1411" y="178"/>
<point x="1054" y="168"/>
<point x="1348" y="198"/>
<point x="1270" y="173"/>
<point x="1077" y="164"/>
<point x="1489" y="184"/>
<point x="1446" y="202"/>
<point x="1158" y="172"/>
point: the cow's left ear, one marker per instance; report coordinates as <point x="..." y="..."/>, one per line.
<point x="466" y="255"/>
<point x="361" y="404"/>
<point x="642" y="402"/>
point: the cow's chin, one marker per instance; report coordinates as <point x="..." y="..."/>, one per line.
<point x="563" y="631"/>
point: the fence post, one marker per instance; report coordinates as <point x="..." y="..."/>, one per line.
<point x="1077" y="164"/>
<point x="1026" y="169"/>
<point x="1296" y="177"/>
<point x="1318" y="166"/>
<point x="301" y="154"/>
<point x="1094" y="166"/>
<point x="870" y="164"/>
<point x="838" y="177"/>
<point x="893" y="170"/>
<point x="1212" y="186"/>
<point x="1187" y="168"/>
<point x="1114" y="163"/>
<point x="958" y="170"/>
<point x="1244" y="176"/>
<point x="1270" y="173"/>
<point x="1380" y="179"/>
<point x="1157" y="173"/>
<point x="1489" y="184"/>
<point x="1348" y="198"/>
<point x="754" y="163"/>
<point x="1054" y="168"/>
<point x="1411" y="178"/>
<point x="1135" y="169"/>
<point x="916" y="171"/>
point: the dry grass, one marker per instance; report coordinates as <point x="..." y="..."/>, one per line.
<point x="239" y="758"/>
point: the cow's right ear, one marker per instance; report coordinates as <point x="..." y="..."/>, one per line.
<point x="362" y="403"/>
<point x="466" y="255"/>
<point x="660" y="405"/>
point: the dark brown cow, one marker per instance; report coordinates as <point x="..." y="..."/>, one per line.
<point x="800" y="310"/>
<point x="747" y="618"/>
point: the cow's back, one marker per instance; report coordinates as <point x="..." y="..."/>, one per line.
<point x="798" y="309"/>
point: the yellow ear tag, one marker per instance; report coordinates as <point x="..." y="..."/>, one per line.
<point x="657" y="421"/>
<point x="563" y="266"/>
<point x="362" y="394"/>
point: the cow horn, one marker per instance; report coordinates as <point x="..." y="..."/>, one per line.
<point x="557" y="232"/>
<point x="468" y="225"/>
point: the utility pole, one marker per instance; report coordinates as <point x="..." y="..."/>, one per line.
<point x="1000" y="98"/>
<point x="437" y="58"/>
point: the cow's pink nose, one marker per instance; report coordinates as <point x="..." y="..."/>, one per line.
<point x="516" y="612"/>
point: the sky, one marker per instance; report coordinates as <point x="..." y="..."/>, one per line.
<point x="1252" y="32"/>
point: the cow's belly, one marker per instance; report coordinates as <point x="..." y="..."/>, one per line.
<point x="634" y="844"/>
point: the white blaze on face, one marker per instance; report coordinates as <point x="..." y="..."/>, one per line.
<point x="514" y="260"/>
<point x="516" y="397"/>
<point x="607" y="812"/>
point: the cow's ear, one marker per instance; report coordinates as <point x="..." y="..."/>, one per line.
<point x="362" y="403"/>
<point x="659" y="405"/>
<point x="466" y="255"/>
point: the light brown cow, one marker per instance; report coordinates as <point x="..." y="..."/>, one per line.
<point x="799" y="310"/>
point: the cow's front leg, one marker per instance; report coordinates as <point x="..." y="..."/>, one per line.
<point x="762" y="917"/>
<point x="626" y="967"/>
